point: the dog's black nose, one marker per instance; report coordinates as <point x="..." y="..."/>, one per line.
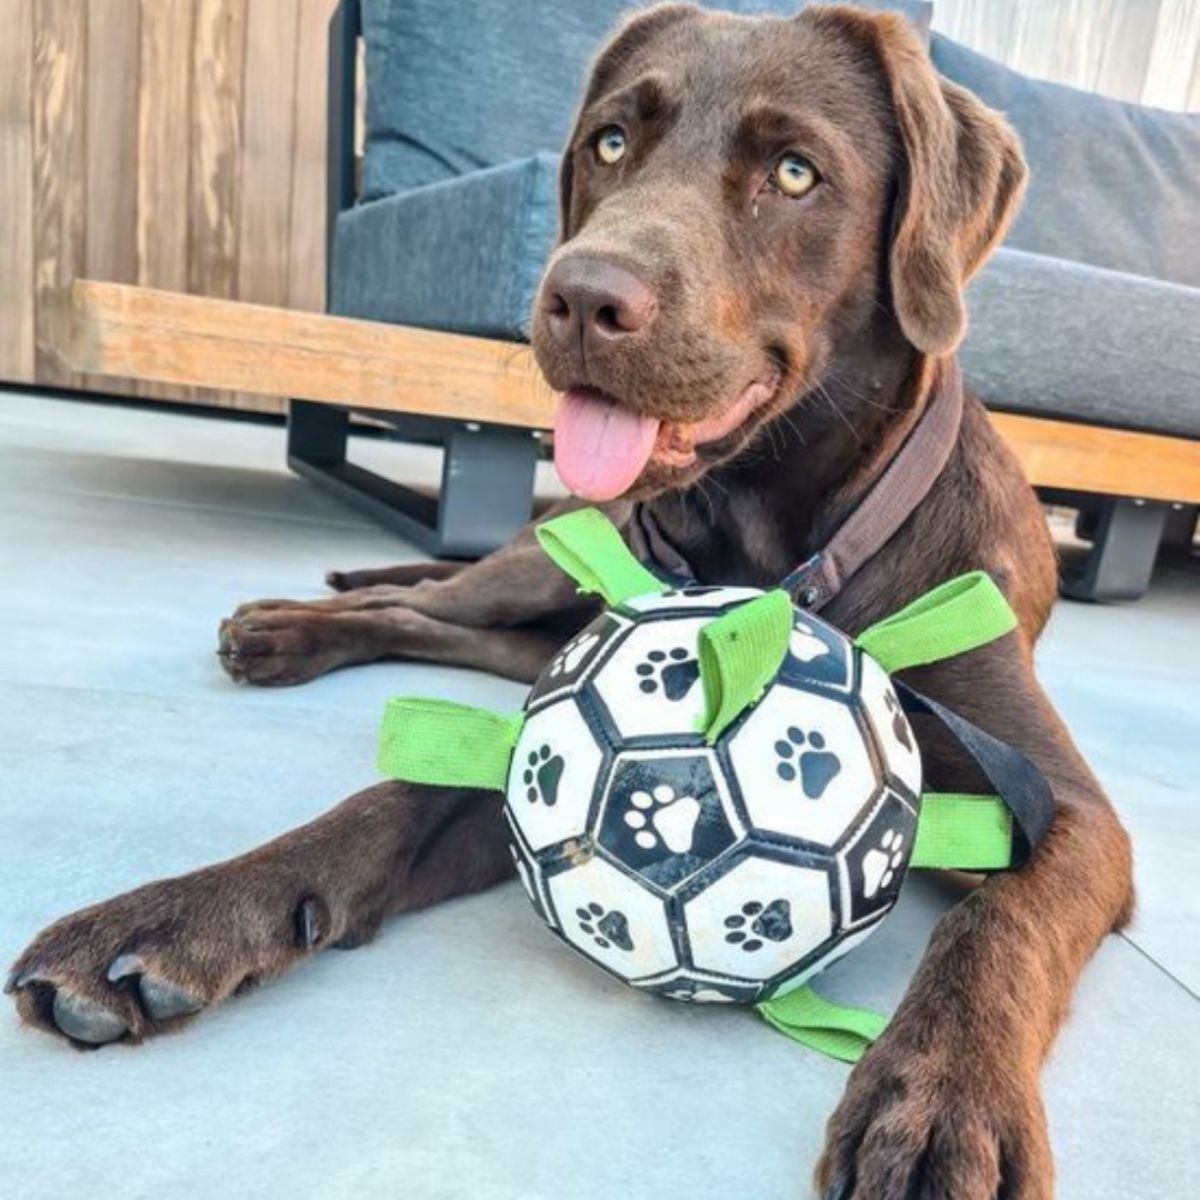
<point x="590" y="302"/>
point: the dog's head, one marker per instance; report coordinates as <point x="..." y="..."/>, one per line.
<point x="743" y="200"/>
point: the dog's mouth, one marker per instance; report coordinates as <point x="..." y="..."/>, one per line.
<point x="601" y="447"/>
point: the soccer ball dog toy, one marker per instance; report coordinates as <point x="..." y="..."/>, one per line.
<point x="713" y="795"/>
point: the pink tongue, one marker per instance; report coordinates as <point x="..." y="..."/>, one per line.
<point x="599" y="447"/>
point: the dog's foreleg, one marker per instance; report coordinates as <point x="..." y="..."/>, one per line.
<point x="149" y="960"/>
<point x="947" y="1103"/>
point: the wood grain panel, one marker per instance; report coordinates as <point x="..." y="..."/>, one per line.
<point x="59" y="169"/>
<point x="218" y="66"/>
<point x="164" y="165"/>
<point x="16" y="191"/>
<point x="113" y="55"/>
<point x="117" y="329"/>
<point x="1113" y="462"/>
<point x="306" y="240"/>
<point x="214" y="192"/>
<point x="188" y="339"/>
<point x="110" y="232"/>
<point x="268" y="137"/>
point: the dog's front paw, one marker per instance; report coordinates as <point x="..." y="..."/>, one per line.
<point x="955" y="1122"/>
<point x="278" y="646"/>
<point x="146" y="962"/>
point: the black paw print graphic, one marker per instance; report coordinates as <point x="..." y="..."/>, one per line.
<point x="816" y="766"/>
<point x="542" y="776"/>
<point x="899" y="721"/>
<point x="605" y="928"/>
<point x="674" y="670"/>
<point x="773" y="922"/>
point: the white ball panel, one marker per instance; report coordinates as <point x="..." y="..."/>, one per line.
<point x="611" y="918"/>
<point x="553" y="775"/>
<point x="891" y="726"/>
<point x="691" y="597"/>
<point x="651" y="684"/>
<point x="759" y="919"/>
<point x="839" y="950"/>
<point x="803" y="765"/>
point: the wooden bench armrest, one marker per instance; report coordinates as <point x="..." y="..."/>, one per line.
<point x="117" y="329"/>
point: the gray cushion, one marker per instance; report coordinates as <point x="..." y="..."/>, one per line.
<point x="1114" y="184"/>
<point x="464" y="254"/>
<point x="455" y="85"/>
<point x="1062" y="339"/>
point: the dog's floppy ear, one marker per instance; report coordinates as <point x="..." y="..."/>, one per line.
<point x="961" y="182"/>
<point x="629" y="37"/>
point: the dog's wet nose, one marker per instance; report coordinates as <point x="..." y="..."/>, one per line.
<point x="589" y="301"/>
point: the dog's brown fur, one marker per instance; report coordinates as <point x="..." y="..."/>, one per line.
<point x="845" y="297"/>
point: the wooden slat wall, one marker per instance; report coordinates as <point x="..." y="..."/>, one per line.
<point x="16" y="191"/>
<point x="59" y="169"/>
<point x="173" y="143"/>
<point x="181" y="143"/>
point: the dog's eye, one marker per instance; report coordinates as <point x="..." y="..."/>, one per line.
<point x="610" y="145"/>
<point x="794" y="176"/>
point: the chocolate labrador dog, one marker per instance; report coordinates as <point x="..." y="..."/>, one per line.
<point x="766" y="229"/>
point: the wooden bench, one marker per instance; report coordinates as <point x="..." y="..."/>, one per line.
<point x="495" y="397"/>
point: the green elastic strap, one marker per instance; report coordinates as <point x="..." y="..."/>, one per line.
<point x="740" y="653"/>
<point x="836" y="1030"/>
<point x="960" y="615"/>
<point x="447" y="744"/>
<point x="587" y="546"/>
<point x="963" y="832"/>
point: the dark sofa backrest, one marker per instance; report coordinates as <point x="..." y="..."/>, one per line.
<point x="1115" y="185"/>
<point x="455" y="85"/>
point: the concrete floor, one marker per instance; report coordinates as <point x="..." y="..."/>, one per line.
<point x="467" y="1052"/>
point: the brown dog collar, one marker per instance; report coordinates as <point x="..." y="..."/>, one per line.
<point x="888" y="503"/>
<point x="890" y="500"/>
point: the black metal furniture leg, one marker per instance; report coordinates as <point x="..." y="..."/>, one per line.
<point x="317" y="434"/>
<point x="1125" y="536"/>
<point x="487" y="489"/>
<point x="487" y="482"/>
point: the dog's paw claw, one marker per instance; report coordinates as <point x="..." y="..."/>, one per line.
<point x="123" y="966"/>
<point x="164" y="1000"/>
<point x="85" y="1021"/>
<point x="312" y="922"/>
<point x="161" y="998"/>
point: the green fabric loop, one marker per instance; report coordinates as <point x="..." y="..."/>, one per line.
<point x="836" y="1030"/>
<point x="962" y="614"/>
<point x="740" y="653"/>
<point x="959" y="831"/>
<point x="447" y="744"/>
<point x="586" y="545"/>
